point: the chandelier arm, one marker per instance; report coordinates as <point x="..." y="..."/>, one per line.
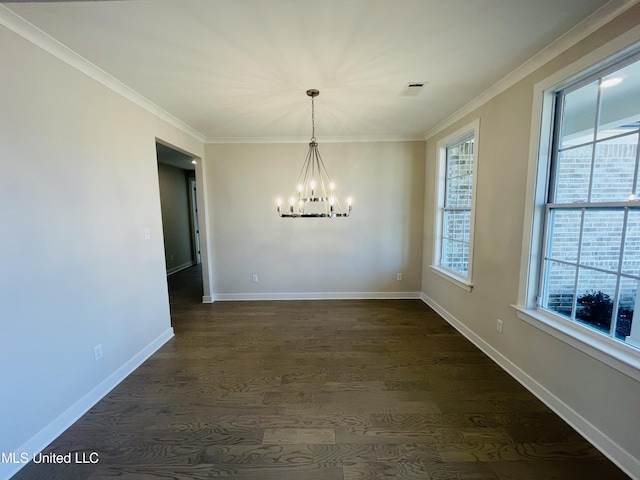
<point x="304" y="169"/>
<point x="302" y="177"/>
<point x="322" y="174"/>
<point x="312" y="164"/>
<point x="326" y="174"/>
<point x="321" y="164"/>
<point x="308" y="174"/>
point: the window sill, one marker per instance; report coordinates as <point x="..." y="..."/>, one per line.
<point x="457" y="280"/>
<point x="617" y="355"/>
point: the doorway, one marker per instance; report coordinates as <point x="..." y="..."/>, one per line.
<point x="179" y="207"/>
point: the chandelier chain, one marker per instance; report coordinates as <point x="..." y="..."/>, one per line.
<point x="313" y="121"/>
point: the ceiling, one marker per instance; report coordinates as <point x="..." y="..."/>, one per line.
<point x="238" y="70"/>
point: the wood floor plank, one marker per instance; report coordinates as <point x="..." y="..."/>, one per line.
<point x="385" y="471"/>
<point x="343" y="453"/>
<point x="467" y="471"/>
<point x="319" y="390"/>
<point x="582" y="469"/>
<point x="313" y="471"/>
<point x="411" y="453"/>
<point x="297" y="436"/>
<point x="152" y="472"/>
<point x="470" y="451"/>
<point x="259" y="454"/>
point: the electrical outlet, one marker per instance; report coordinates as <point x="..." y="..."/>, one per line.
<point x="399" y="276"/>
<point x="255" y="278"/>
<point x="97" y="352"/>
<point x="499" y="326"/>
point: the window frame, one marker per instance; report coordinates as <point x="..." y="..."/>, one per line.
<point x="623" y="357"/>
<point x="469" y="131"/>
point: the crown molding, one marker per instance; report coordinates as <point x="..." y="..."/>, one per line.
<point x="46" y="42"/>
<point x="321" y="140"/>
<point x="602" y="16"/>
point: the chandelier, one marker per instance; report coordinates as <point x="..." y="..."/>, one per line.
<point x="314" y="195"/>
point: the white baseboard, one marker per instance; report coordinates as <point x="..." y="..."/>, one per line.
<point x="315" y="296"/>
<point x="208" y="299"/>
<point x="52" y="431"/>
<point x="179" y="268"/>
<point x="618" y="455"/>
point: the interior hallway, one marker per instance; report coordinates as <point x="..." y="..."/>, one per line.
<point x="331" y="390"/>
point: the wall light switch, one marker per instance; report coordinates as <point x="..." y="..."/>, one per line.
<point x="255" y="278"/>
<point x="97" y="352"/>
<point x="147" y="234"/>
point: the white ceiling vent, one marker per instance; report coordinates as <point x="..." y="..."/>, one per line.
<point x="413" y="89"/>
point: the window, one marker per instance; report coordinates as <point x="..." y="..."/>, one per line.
<point x="591" y="260"/>
<point x="456" y="194"/>
<point x="583" y="262"/>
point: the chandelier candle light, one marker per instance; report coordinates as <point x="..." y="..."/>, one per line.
<point x="314" y="195"/>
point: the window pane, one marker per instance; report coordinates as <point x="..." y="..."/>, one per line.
<point x="559" y="292"/>
<point x="564" y="234"/>
<point x="617" y="113"/>
<point x="459" y="175"/>
<point x="451" y="190"/>
<point x="579" y="115"/>
<point x="602" y="238"/>
<point x="626" y="305"/>
<point x="613" y="169"/>
<point x="458" y="192"/>
<point x="631" y="256"/>
<point x="468" y="185"/>
<point x="455" y="256"/>
<point x="457" y="225"/>
<point x="454" y="162"/>
<point x="596" y="291"/>
<point x="573" y="173"/>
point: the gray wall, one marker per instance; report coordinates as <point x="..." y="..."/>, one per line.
<point x="315" y="258"/>
<point x="176" y="225"/>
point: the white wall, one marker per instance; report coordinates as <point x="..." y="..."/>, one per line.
<point x="78" y="187"/>
<point x="599" y="400"/>
<point x="358" y="256"/>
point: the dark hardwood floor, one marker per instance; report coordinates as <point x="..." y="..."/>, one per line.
<point x="326" y="390"/>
